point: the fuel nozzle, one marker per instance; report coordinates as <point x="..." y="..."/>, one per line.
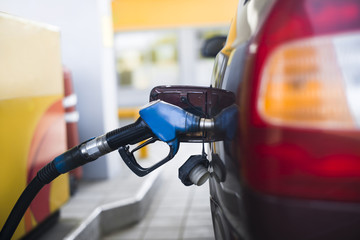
<point x="158" y="121"/>
<point x="168" y="123"/>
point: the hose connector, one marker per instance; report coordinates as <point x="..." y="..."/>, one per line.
<point x="95" y="148"/>
<point x="82" y="154"/>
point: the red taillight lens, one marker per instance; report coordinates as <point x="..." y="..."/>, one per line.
<point x="302" y="96"/>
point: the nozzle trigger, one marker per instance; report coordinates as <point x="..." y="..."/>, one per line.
<point x="131" y="162"/>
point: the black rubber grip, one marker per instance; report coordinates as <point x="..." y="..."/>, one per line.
<point x="48" y="173"/>
<point x="130" y="134"/>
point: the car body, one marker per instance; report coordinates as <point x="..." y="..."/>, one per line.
<point x="293" y="169"/>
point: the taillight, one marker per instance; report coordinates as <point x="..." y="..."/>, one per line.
<point x="302" y="96"/>
<point x="311" y="83"/>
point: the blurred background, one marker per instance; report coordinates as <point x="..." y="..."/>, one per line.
<point x="117" y="51"/>
<point x="110" y="54"/>
<point x="74" y="70"/>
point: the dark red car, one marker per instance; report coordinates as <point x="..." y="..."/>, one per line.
<point x="293" y="169"/>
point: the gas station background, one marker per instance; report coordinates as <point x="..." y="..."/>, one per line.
<point x="116" y="52"/>
<point x="162" y="42"/>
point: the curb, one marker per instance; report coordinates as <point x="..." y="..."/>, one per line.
<point x="108" y="217"/>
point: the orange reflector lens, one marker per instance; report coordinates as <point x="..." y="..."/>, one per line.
<point x="303" y="85"/>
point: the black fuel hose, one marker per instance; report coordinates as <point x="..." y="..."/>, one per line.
<point x="99" y="146"/>
<point x="69" y="160"/>
<point x="43" y="177"/>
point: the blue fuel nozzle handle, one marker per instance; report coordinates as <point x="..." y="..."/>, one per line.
<point x="166" y="122"/>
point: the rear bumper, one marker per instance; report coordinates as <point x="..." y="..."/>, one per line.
<point x="270" y="217"/>
<point x="280" y="218"/>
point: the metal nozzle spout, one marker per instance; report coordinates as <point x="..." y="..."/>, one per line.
<point x="206" y="124"/>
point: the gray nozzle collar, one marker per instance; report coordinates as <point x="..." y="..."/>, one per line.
<point x="206" y="124"/>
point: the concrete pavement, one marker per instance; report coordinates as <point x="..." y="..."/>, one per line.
<point x="171" y="211"/>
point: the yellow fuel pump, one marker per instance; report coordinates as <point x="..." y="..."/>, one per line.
<point x="32" y="125"/>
